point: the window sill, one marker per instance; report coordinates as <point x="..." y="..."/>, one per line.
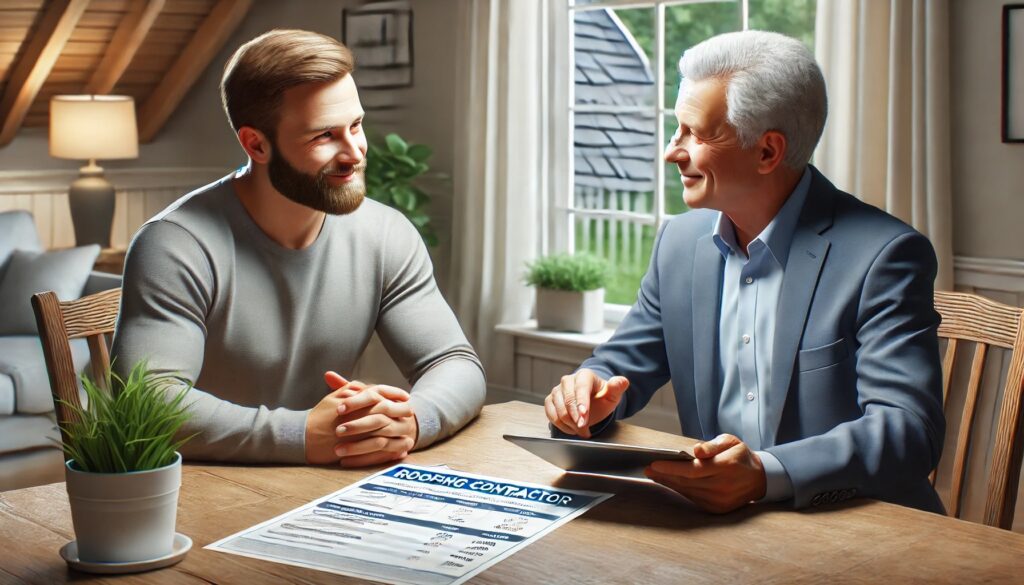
<point x="529" y="330"/>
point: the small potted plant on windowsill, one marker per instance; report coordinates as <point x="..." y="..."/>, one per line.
<point x="123" y="472"/>
<point x="570" y="291"/>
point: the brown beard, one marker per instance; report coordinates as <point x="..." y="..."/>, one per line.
<point x="314" y="191"/>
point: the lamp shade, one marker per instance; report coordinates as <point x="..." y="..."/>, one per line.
<point x="85" y="127"/>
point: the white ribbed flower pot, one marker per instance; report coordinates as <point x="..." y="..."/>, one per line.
<point x="581" y="312"/>
<point x="124" y="517"/>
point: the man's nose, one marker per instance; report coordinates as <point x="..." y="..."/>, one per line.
<point x="350" y="152"/>
<point x="675" y="153"/>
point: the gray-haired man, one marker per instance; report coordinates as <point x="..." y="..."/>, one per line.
<point x="796" y="323"/>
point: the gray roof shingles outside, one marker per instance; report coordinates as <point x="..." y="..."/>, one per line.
<point x="613" y="152"/>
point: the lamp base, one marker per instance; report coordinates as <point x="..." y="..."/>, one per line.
<point x="91" y="199"/>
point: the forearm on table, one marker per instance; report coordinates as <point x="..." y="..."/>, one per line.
<point x="231" y="432"/>
<point x="446" y="397"/>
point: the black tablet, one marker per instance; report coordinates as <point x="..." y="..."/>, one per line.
<point x="579" y="456"/>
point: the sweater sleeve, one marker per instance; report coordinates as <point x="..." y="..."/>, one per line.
<point x="168" y="289"/>
<point x="422" y="335"/>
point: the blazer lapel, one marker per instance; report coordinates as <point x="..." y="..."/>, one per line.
<point x="707" y="302"/>
<point x="806" y="256"/>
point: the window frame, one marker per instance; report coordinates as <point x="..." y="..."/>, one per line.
<point x="560" y="235"/>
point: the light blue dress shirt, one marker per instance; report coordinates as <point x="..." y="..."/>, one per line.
<point x="746" y="331"/>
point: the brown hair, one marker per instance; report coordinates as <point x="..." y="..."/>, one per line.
<point x="257" y="75"/>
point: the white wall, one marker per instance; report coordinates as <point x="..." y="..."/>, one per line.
<point x="988" y="176"/>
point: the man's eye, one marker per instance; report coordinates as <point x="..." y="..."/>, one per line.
<point x="325" y="135"/>
<point x="357" y="125"/>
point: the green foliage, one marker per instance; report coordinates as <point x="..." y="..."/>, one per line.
<point x="129" y="429"/>
<point x="578" y="273"/>
<point x="391" y="169"/>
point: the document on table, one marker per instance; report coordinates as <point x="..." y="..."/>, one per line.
<point x="413" y="524"/>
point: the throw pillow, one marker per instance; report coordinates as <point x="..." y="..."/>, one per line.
<point x="62" y="271"/>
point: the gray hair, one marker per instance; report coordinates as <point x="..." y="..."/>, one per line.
<point x="773" y="83"/>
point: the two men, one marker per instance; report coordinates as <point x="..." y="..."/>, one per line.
<point x="261" y="286"/>
<point x="795" y="323"/>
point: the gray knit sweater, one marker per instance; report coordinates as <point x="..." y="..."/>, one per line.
<point x="208" y="295"/>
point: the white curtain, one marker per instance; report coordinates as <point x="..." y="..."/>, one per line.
<point x="500" y="174"/>
<point x="886" y="65"/>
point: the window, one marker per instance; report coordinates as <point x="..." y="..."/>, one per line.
<point x="620" y="103"/>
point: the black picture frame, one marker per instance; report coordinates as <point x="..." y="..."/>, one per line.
<point x="1012" y="122"/>
<point x="381" y="40"/>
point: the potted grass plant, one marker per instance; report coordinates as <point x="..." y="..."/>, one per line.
<point x="570" y="291"/>
<point x="123" y="469"/>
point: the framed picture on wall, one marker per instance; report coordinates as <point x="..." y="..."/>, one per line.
<point x="380" y="37"/>
<point x="1013" y="73"/>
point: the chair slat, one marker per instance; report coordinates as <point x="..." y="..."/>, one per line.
<point x="947" y="369"/>
<point x="966" y="423"/>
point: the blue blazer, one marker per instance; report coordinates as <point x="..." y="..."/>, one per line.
<point x="855" y="398"/>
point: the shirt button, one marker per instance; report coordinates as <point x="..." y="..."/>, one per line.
<point x="749" y="280"/>
<point x="750" y="395"/>
<point x="746" y="339"/>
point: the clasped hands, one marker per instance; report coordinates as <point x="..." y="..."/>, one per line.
<point x="359" y="424"/>
<point x="725" y="474"/>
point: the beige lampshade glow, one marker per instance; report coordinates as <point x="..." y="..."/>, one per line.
<point x="85" y="127"/>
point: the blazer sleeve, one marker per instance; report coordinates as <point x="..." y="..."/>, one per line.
<point x="888" y="451"/>
<point x="637" y="349"/>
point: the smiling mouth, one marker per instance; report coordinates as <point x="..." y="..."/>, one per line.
<point x="342" y="172"/>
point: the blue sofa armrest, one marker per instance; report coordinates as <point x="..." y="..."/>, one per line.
<point x="100" y="281"/>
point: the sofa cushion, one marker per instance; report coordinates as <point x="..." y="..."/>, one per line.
<point x="30" y="272"/>
<point x="21" y="363"/>
<point x="17" y="231"/>
<point x="20" y="433"/>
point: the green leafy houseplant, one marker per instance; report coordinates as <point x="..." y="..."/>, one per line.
<point x="577" y="273"/>
<point x="391" y="170"/>
<point x="129" y="429"/>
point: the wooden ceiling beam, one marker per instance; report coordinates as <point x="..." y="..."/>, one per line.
<point x="125" y="43"/>
<point x="209" y="38"/>
<point x="36" y="62"/>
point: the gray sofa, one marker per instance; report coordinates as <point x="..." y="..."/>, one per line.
<point x="28" y="454"/>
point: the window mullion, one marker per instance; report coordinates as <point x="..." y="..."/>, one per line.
<point x="659" y="127"/>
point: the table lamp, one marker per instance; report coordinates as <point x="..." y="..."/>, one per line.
<point x="91" y="127"/>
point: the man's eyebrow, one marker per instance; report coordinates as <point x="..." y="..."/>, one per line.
<point x="326" y="127"/>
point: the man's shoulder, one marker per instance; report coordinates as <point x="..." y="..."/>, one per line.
<point x="201" y="213"/>
<point x="693" y="224"/>
<point x="863" y="222"/>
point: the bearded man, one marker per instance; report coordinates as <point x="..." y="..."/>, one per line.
<point x="263" y="285"/>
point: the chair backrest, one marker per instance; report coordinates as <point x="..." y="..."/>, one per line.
<point x="92" y="317"/>
<point x="986" y="323"/>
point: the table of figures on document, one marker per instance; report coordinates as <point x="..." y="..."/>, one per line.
<point x="413" y="524"/>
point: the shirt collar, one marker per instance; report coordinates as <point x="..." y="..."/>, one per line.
<point x="778" y="234"/>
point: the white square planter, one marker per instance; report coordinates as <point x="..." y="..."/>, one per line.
<point x="582" y="312"/>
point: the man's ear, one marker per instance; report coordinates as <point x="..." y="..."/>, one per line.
<point x="255" y="143"/>
<point x="771" y="151"/>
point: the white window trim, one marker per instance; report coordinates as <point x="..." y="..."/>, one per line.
<point x="560" y="219"/>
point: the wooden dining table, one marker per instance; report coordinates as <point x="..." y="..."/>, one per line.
<point x="644" y="534"/>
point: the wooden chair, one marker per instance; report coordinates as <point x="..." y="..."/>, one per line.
<point x="92" y="317"/>
<point x="971" y="318"/>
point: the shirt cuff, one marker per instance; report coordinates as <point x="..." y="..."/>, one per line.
<point x="289" y="432"/>
<point x="428" y="421"/>
<point x="778" y="485"/>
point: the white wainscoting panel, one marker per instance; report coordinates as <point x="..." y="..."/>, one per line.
<point x="999" y="279"/>
<point x="141" y="194"/>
